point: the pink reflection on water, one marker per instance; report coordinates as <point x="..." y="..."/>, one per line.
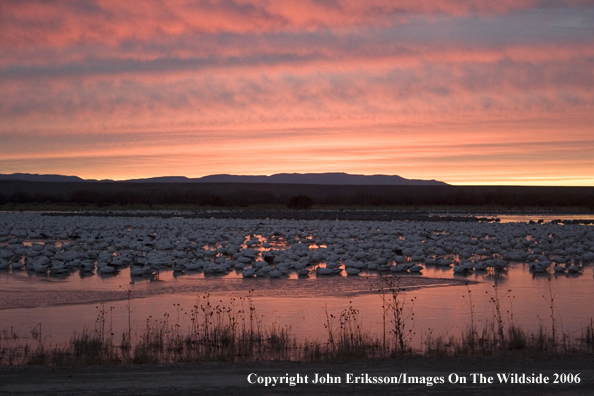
<point x="301" y="304"/>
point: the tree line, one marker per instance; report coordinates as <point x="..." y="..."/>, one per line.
<point x="294" y="196"/>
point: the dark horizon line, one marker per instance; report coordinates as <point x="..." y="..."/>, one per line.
<point x="333" y="178"/>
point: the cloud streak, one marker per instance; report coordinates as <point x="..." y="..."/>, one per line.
<point x="68" y="22"/>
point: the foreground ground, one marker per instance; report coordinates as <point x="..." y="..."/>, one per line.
<point x="232" y="378"/>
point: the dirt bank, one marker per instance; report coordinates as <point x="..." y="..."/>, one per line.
<point x="232" y="378"/>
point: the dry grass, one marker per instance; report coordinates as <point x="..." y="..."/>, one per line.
<point x="234" y="331"/>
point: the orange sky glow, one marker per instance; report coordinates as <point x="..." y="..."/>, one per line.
<point x="466" y="92"/>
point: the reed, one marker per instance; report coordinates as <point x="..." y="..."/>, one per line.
<point x="397" y="315"/>
<point x="233" y="331"/>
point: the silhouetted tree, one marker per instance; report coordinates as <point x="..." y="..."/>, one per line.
<point x="300" y="201"/>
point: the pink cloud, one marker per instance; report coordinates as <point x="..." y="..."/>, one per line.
<point x="111" y="22"/>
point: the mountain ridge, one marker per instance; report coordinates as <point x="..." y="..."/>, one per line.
<point x="329" y="178"/>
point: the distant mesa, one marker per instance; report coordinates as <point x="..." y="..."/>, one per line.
<point x="279" y="178"/>
<point x="42" y="178"/>
<point x="320" y="178"/>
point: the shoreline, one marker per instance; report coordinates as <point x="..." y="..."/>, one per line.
<point x="344" y="287"/>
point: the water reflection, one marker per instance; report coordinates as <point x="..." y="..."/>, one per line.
<point x="67" y="302"/>
<point x="300" y="303"/>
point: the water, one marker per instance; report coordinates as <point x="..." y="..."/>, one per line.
<point x="439" y="299"/>
<point x="548" y="217"/>
<point x="440" y="309"/>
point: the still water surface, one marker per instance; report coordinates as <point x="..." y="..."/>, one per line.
<point x="300" y="304"/>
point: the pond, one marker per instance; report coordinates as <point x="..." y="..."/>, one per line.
<point x="438" y="301"/>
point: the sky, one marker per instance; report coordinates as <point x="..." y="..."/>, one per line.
<point x="466" y="92"/>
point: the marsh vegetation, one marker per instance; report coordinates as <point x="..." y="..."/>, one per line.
<point x="234" y="331"/>
<point x="20" y="194"/>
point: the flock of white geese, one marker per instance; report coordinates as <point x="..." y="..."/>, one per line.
<point x="57" y="245"/>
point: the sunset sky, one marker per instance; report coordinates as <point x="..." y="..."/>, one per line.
<point x="466" y="92"/>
